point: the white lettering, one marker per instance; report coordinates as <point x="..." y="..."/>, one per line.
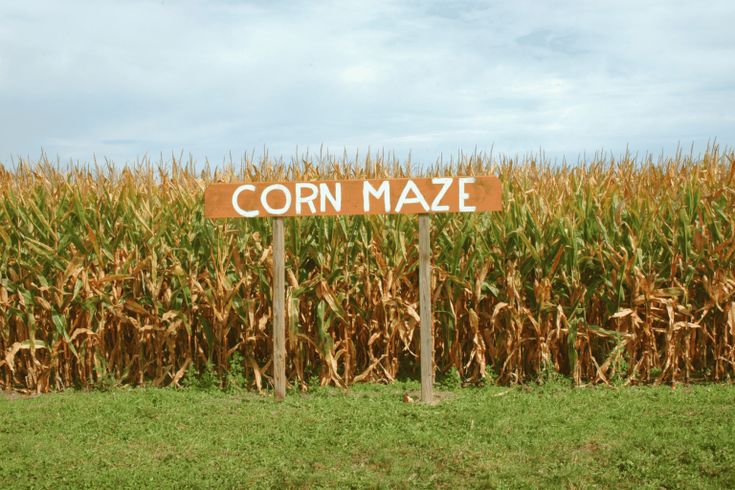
<point x="418" y="199"/>
<point x="368" y="190"/>
<point x="463" y="208"/>
<point x="447" y="181"/>
<point x="236" y="205"/>
<point x="308" y="199"/>
<point x="264" y="198"/>
<point x="335" y="199"/>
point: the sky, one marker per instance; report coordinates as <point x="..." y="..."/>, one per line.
<point x="136" y="78"/>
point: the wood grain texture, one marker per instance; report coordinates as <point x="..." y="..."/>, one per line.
<point x="279" y="310"/>
<point x="354" y="197"/>
<point x="427" y="323"/>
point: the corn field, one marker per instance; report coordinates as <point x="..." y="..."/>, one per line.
<point x="612" y="270"/>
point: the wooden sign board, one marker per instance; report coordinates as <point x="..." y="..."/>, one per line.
<point x="421" y="196"/>
<point x="350" y="197"/>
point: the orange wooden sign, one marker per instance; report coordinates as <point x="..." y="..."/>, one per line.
<point x="345" y="197"/>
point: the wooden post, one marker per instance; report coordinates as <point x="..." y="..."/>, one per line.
<point x="279" y="310"/>
<point x="427" y="330"/>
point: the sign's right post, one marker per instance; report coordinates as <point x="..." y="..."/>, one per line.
<point x="427" y="323"/>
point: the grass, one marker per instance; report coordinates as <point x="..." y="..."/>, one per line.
<point x="550" y="436"/>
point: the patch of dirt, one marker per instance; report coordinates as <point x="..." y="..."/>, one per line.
<point x="15" y="395"/>
<point x="439" y="396"/>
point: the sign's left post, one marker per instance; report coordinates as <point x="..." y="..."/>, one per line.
<point x="279" y="310"/>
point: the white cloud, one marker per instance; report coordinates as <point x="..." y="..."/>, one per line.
<point x="127" y="78"/>
<point x="359" y="74"/>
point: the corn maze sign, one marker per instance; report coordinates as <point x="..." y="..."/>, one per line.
<point x="333" y="198"/>
<point x="421" y="196"/>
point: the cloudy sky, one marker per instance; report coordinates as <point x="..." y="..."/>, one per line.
<point x="124" y="79"/>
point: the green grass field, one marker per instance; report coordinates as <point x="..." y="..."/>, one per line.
<point x="551" y="436"/>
